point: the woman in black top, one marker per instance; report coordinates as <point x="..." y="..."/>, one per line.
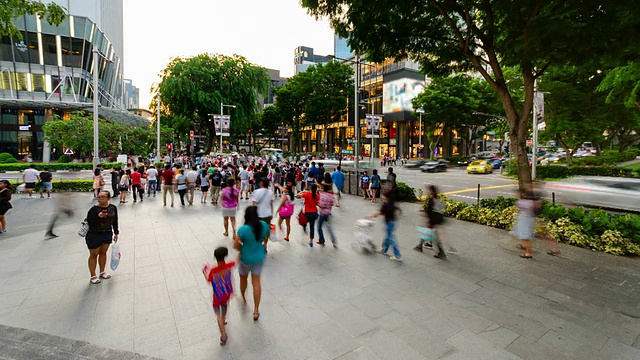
<point x="103" y="228"/>
<point x="5" y="204"/>
<point x="115" y="179"/>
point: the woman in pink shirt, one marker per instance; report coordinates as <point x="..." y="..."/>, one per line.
<point x="230" y="200"/>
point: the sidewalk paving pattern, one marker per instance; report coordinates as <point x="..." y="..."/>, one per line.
<point x="318" y="303"/>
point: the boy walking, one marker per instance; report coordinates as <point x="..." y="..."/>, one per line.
<point x="220" y="279"/>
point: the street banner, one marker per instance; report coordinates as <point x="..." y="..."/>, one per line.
<point x="226" y="125"/>
<point x="217" y="121"/>
<point x="538" y="110"/>
<point x="373" y="126"/>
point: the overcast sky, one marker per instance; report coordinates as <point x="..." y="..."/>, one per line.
<point x="266" y="32"/>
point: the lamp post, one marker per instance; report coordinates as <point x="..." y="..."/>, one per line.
<point x="158" y="124"/>
<point x="96" y="94"/>
<point x="420" y="111"/>
<point x="222" y="106"/>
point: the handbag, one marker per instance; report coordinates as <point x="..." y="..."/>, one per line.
<point x="302" y="218"/>
<point x="84" y="228"/>
<point x="286" y="210"/>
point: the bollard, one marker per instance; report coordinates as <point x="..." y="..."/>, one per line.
<point x="553" y="198"/>
<point x="478" y="193"/>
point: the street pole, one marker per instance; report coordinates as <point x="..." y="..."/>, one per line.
<point x="158" y="140"/>
<point x="420" y="138"/>
<point x="356" y="109"/>
<point x="534" y="156"/>
<point x="221" y="113"/>
<point x="96" y="158"/>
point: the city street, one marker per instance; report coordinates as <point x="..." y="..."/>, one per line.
<point x="484" y="302"/>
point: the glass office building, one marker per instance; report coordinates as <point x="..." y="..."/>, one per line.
<point x="50" y="71"/>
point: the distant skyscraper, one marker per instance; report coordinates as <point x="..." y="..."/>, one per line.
<point x="340" y="48"/>
<point x="131" y="95"/>
<point x="304" y="57"/>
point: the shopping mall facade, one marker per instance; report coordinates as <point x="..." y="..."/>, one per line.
<point x="49" y="71"/>
<point x="385" y="89"/>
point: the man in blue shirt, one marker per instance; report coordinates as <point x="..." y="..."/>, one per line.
<point x="313" y="171"/>
<point x="338" y="179"/>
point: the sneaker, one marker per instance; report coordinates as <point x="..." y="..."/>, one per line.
<point x="383" y="252"/>
<point x="310" y="243"/>
<point x="3" y="231"/>
<point x="393" y="258"/>
<point x="428" y="245"/>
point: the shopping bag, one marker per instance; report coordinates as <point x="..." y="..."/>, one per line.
<point x="84" y="228"/>
<point x="21" y="188"/>
<point x="427" y="234"/>
<point x="272" y="235"/>
<point x="115" y="256"/>
<point x="302" y="218"/>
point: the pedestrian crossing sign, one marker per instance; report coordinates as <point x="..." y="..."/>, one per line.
<point x="68" y="152"/>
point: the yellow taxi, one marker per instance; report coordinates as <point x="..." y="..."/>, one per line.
<point x="480" y="167"/>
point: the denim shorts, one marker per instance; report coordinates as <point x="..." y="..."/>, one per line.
<point x="254" y="269"/>
<point x="46" y="186"/>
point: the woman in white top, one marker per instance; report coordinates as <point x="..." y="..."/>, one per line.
<point x="123" y="186"/>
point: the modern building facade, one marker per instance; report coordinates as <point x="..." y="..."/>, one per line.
<point x="341" y="48"/>
<point x="304" y="57"/>
<point x="49" y="70"/>
<point x="131" y="98"/>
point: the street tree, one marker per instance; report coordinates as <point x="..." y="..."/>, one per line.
<point x="192" y="88"/>
<point x="13" y="9"/>
<point x="447" y="36"/>
<point x="623" y="83"/>
<point x="291" y="101"/>
<point x="329" y="87"/>
<point x="270" y="120"/>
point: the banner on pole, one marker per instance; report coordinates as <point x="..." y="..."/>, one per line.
<point x="226" y="125"/>
<point x="538" y="110"/>
<point x="217" y="121"/>
<point x="373" y="126"/>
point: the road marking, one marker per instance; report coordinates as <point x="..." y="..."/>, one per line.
<point x="476" y="189"/>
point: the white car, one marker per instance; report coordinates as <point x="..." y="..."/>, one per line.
<point x="598" y="191"/>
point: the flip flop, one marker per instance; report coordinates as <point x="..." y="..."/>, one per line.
<point x="525" y="256"/>
<point x="256" y="316"/>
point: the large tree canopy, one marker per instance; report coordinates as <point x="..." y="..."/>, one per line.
<point x="12" y="9"/>
<point x="448" y="36"/>
<point x="192" y="88"/>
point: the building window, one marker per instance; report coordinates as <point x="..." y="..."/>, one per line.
<point x="21" y="82"/>
<point x="79" y="26"/>
<point x="39" y="120"/>
<point x="6" y="81"/>
<point x="9" y="116"/>
<point x="49" y="49"/>
<point x="37" y="81"/>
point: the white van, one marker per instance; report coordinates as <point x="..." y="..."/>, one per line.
<point x="273" y="153"/>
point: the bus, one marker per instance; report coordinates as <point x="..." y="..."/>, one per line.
<point x="272" y="153"/>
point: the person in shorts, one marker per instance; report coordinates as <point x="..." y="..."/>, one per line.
<point x="103" y="229"/>
<point x="30" y="177"/>
<point x="250" y="243"/>
<point x="46" y="186"/>
<point x="244" y="183"/>
<point x="220" y="279"/>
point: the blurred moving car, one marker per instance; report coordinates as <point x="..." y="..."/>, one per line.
<point x="435" y="166"/>
<point x="467" y="161"/>
<point x="496" y="163"/>
<point x="582" y="153"/>
<point x="415" y="164"/>
<point x="598" y="191"/>
<point x="480" y="167"/>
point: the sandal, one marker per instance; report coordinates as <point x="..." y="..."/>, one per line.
<point x="95" y="280"/>
<point x="525" y="256"/>
<point x="256" y="316"/>
<point x="286" y="239"/>
<point x="223" y="340"/>
<point x="225" y="234"/>
<point x="104" y="275"/>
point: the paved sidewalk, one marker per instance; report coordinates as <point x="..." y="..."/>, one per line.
<point x="320" y="303"/>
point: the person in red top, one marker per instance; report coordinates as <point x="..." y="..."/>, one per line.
<point x="310" y="209"/>
<point x="136" y="185"/>
<point x="167" y="184"/>
<point x="220" y="279"/>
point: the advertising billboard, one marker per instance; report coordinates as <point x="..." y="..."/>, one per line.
<point x="397" y="94"/>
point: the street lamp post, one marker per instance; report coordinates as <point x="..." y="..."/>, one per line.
<point x="96" y="95"/>
<point x="158" y="124"/>
<point x="420" y="111"/>
<point x="222" y="106"/>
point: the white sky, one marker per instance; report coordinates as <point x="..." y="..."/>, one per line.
<point x="266" y="32"/>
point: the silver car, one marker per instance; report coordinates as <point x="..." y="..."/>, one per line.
<point x="598" y="191"/>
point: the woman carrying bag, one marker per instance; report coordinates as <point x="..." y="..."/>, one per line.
<point x="286" y="208"/>
<point x="103" y="229"/>
<point x="310" y="210"/>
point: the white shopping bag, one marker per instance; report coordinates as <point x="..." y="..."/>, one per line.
<point x="115" y="256"/>
<point x="21" y="188"/>
<point x="272" y="234"/>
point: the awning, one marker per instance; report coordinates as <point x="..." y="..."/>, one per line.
<point x="112" y="114"/>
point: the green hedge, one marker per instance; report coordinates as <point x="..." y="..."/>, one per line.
<point x="611" y="159"/>
<point x="55" y="166"/>
<point x="63" y="185"/>
<point x="617" y="234"/>
<point x="560" y="172"/>
<point x="406" y="192"/>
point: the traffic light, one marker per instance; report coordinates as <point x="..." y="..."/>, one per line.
<point x="168" y="147"/>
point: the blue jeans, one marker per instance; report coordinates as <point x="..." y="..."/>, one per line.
<point x="152" y="183"/>
<point x="324" y="219"/>
<point x="311" y="221"/>
<point x="390" y="240"/>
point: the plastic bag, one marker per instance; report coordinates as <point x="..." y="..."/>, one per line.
<point x="115" y="256"/>
<point x="21" y="188"/>
<point x="272" y="235"/>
